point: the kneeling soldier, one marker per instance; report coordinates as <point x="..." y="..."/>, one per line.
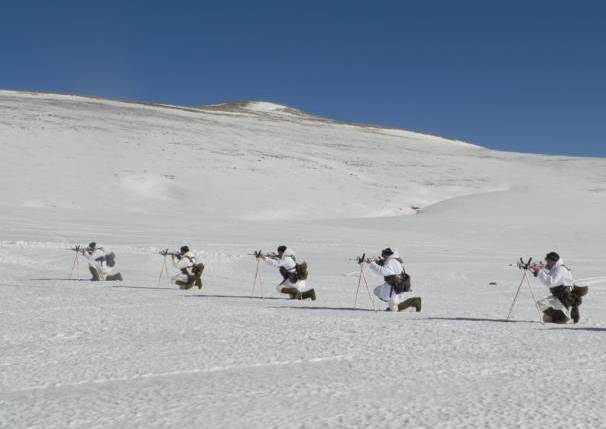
<point x="101" y="265"/>
<point x="565" y="299"/>
<point x="191" y="270"/>
<point x="293" y="274"/>
<point x="397" y="282"/>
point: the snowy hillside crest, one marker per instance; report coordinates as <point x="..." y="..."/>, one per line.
<point x="250" y="148"/>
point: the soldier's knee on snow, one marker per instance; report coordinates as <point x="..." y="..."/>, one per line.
<point x="94" y="273"/>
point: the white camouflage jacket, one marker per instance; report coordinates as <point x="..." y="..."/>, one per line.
<point x="287" y="261"/>
<point x="559" y="275"/>
<point x="391" y="267"/>
<point x="186" y="262"/>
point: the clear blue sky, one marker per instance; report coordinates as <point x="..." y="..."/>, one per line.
<point x="510" y="75"/>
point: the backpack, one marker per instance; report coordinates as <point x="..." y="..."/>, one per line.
<point x="406" y="282"/>
<point x="198" y="269"/>
<point x="399" y="284"/>
<point x="110" y="259"/>
<point x="302" y="271"/>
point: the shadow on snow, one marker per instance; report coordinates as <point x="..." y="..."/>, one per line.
<point x="144" y="287"/>
<point x="330" y="308"/>
<point x="590" y="329"/>
<point x="233" y="296"/>
<point x="481" y="319"/>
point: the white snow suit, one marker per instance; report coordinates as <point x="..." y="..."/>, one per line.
<point x="97" y="262"/>
<point x="391" y="267"/>
<point x="185" y="265"/>
<point x="288" y="262"/>
<point x="559" y="275"/>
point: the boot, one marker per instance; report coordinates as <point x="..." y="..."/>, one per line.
<point x="554" y="316"/>
<point x="184" y="285"/>
<point x="410" y="302"/>
<point x="574" y="313"/>
<point x="560" y="317"/>
<point x="114" y="277"/>
<point x="311" y="293"/>
<point x="548" y="315"/>
<point x="292" y="292"/>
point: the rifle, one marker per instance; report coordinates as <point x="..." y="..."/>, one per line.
<point x="82" y="249"/>
<point x="359" y="259"/>
<point x="364" y="258"/>
<point x="166" y="252"/>
<point x="259" y="254"/>
<point x="525" y="265"/>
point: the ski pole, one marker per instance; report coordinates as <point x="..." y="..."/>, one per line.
<point x="515" y="298"/>
<point x="75" y="264"/>
<point x="372" y="301"/>
<point x="257" y="276"/>
<point x="163" y="271"/>
<point x="534" y="298"/>
<point x="358" y="288"/>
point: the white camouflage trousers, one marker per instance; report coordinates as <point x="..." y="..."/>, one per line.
<point x="382" y="292"/>
<point x="301" y="285"/>
<point x="553" y="302"/>
<point x="102" y="270"/>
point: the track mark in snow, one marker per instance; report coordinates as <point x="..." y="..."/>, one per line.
<point x="183" y="372"/>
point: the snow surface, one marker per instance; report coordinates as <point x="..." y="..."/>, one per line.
<point x="264" y="106"/>
<point x="138" y="178"/>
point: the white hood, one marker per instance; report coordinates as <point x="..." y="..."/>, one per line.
<point x="289" y="252"/>
<point x="558" y="275"/>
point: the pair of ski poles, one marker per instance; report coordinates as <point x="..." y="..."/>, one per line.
<point x="524" y="266"/>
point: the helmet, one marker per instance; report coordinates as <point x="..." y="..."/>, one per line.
<point x="92" y="245"/>
<point x="184" y="249"/>
<point x="552" y="256"/>
<point x="386" y="252"/>
<point x="281" y="249"/>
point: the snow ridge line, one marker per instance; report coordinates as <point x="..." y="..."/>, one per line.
<point x="180" y="372"/>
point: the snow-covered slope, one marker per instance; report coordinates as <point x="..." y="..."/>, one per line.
<point x="227" y="179"/>
<point x="240" y="161"/>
